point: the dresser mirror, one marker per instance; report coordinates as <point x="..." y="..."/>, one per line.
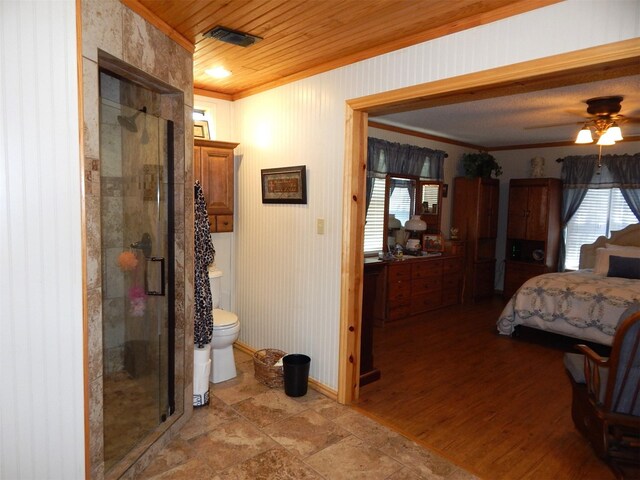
<point x="430" y="204"/>
<point x="406" y="196"/>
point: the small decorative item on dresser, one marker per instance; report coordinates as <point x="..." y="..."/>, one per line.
<point x="432" y="242"/>
<point x="266" y="371"/>
<point x="454" y="233"/>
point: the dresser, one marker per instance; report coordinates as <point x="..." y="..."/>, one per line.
<point x="416" y="285"/>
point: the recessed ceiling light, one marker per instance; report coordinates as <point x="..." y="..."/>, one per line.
<point x="218" y="72"/>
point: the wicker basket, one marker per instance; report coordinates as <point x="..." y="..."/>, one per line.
<point x="265" y="371"/>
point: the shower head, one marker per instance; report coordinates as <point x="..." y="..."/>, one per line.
<point x="130" y="122"/>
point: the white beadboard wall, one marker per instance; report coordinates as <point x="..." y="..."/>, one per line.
<point x="41" y="393"/>
<point x="287" y="277"/>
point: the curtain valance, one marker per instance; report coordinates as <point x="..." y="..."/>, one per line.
<point x="385" y="157"/>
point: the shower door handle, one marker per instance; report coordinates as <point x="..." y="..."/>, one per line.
<point x="146" y="286"/>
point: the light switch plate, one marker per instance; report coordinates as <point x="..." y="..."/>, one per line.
<point x="320" y="226"/>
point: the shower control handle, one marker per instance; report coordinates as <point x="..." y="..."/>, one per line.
<point x="161" y="293"/>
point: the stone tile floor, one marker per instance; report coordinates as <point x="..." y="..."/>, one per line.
<point x="249" y="431"/>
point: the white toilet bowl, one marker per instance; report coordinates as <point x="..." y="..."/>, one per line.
<point x="226" y="329"/>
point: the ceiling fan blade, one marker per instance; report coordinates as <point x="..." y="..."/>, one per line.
<point x="551" y="125"/>
<point x="623" y="119"/>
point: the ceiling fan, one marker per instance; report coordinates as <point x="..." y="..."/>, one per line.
<point x="603" y="119"/>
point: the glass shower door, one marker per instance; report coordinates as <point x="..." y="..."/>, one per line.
<point x="137" y="274"/>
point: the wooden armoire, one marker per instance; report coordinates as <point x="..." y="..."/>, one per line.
<point x="475" y="214"/>
<point x="533" y="230"/>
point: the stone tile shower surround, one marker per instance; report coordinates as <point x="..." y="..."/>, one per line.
<point x="114" y="35"/>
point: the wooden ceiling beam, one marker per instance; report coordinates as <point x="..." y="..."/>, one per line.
<point x="610" y="61"/>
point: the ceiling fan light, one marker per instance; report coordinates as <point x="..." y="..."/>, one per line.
<point x="584" y="136"/>
<point x="606" y="139"/>
<point x="615" y="133"/>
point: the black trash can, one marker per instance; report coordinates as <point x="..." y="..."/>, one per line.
<point x="296" y="374"/>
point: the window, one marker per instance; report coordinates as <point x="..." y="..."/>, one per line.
<point x="400" y="205"/>
<point x="374" y="225"/>
<point x="601" y="212"/>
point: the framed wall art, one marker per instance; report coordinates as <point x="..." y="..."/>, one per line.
<point x="284" y="185"/>
<point x="432" y="242"/>
<point x="201" y="129"/>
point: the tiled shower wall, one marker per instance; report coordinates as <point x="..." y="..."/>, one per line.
<point x="114" y="35"/>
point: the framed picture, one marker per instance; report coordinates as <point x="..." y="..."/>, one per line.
<point x="201" y="129"/>
<point x="284" y="185"/>
<point x="432" y="242"/>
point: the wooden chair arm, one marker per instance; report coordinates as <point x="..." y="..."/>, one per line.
<point x="597" y="359"/>
<point x="592" y="364"/>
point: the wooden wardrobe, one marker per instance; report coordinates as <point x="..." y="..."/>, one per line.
<point x="533" y="230"/>
<point x="475" y="214"/>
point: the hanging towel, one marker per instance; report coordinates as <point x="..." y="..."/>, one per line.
<point x="203" y="257"/>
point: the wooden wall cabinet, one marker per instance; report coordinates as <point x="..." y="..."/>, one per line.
<point x="533" y="230"/>
<point x="213" y="167"/>
<point x="475" y="214"/>
<point x="414" y="286"/>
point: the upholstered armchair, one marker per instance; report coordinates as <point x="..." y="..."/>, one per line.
<point x="606" y="397"/>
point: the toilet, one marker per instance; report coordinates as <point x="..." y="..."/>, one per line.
<point x="226" y="329"/>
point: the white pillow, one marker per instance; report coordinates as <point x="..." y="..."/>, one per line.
<point x="629" y="248"/>
<point x="603" y="254"/>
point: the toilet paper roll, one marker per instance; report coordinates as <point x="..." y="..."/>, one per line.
<point x="201" y="355"/>
<point x="201" y="377"/>
<point x="201" y="373"/>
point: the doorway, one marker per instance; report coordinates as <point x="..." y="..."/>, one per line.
<point x="598" y="63"/>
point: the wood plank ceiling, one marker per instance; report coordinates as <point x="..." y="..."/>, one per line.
<point x="306" y="37"/>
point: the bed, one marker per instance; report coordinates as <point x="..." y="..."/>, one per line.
<point x="584" y="304"/>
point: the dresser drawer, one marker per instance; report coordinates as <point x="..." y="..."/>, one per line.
<point x="399" y="272"/>
<point x="426" y="285"/>
<point x="427" y="269"/>
<point x="400" y="289"/>
<point x="452" y="282"/>
<point x="422" y="303"/>
<point x="452" y="265"/>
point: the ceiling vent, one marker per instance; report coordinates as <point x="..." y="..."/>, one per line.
<point x="231" y="36"/>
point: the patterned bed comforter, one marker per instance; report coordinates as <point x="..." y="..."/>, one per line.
<point x="578" y="304"/>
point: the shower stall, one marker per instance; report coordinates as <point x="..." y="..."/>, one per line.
<point x="137" y="236"/>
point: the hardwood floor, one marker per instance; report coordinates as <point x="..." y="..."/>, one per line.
<point x="497" y="406"/>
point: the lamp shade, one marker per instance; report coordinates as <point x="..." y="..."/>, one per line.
<point x="415" y="224"/>
<point x="393" y="222"/>
<point x="606" y="139"/>
<point x="615" y="133"/>
<point x="584" y="136"/>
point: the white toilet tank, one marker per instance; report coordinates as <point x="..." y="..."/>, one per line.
<point x="215" y="277"/>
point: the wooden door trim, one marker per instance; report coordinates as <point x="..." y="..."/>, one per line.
<point x="581" y="66"/>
